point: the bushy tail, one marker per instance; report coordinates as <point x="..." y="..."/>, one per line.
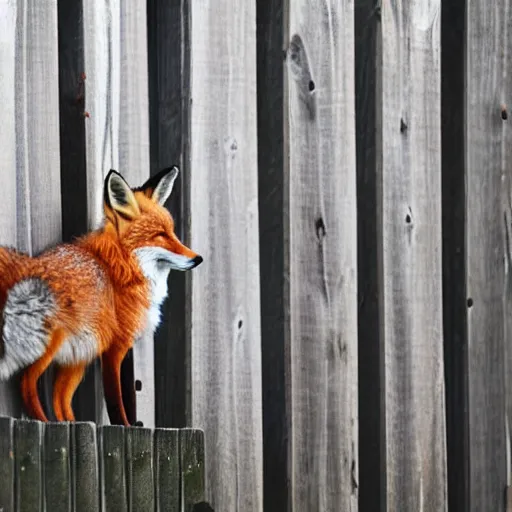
<point x="24" y="305"/>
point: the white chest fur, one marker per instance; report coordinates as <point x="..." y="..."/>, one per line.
<point x="156" y="268"/>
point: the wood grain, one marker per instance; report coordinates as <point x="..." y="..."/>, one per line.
<point x="322" y="256"/>
<point x="139" y="470"/>
<point x="7" y="469"/>
<point x="487" y="158"/>
<point x="37" y="137"/>
<point x="57" y="467"/>
<point x="29" y="466"/>
<point x="225" y="315"/>
<point x="411" y="257"/>
<point x="167" y="470"/>
<point x="10" y="403"/>
<point x="117" y="132"/>
<point x="85" y="467"/>
<point x="113" y="469"/>
<point x="192" y="469"/>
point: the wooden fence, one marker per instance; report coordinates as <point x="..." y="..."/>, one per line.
<point x="80" y="468"/>
<point x="346" y="175"/>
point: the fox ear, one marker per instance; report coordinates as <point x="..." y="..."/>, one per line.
<point x="119" y="196"/>
<point x="159" y="187"/>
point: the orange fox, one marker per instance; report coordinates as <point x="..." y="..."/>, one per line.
<point x="93" y="297"/>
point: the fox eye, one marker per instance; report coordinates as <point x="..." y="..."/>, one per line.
<point x="161" y="234"/>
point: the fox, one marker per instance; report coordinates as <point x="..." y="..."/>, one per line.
<point x="92" y="297"/>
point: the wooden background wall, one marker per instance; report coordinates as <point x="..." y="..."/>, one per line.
<point x="346" y="174"/>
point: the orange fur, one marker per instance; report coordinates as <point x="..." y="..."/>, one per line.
<point x="33" y="372"/>
<point x="98" y="285"/>
<point x="66" y="382"/>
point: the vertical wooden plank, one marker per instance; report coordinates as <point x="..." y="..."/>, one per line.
<point x="487" y="88"/>
<point x="37" y="126"/>
<point x="506" y="148"/>
<point x="39" y="222"/>
<point x="192" y="468"/>
<point x="169" y="76"/>
<point x="322" y="237"/>
<point x="134" y="163"/>
<point x="117" y="132"/>
<point x="57" y="478"/>
<point x="7" y="464"/>
<point x="72" y="90"/>
<point x="85" y="468"/>
<point x="139" y="470"/>
<point x="113" y="469"/>
<point x="29" y="465"/>
<point x="370" y="354"/>
<point x="8" y="54"/>
<point x="225" y="316"/>
<point x="167" y="470"/>
<point x="453" y="23"/>
<point x="9" y="397"/>
<point x="102" y="67"/>
<point x="271" y="193"/>
<point x="411" y="257"/>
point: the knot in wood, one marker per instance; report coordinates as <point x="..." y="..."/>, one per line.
<point x="320" y="228"/>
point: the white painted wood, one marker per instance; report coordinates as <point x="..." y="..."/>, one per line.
<point x="411" y="257"/>
<point x="37" y="126"/>
<point x="117" y="131"/>
<point x="322" y="252"/>
<point x="8" y="12"/>
<point x="9" y="401"/>
<point x="29" y="134"/>
<point x="225" y="313"/>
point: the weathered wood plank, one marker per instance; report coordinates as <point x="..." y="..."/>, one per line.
<point x="134" y="163"/>
<point x="139" y="470"/>
<point x="167" y="470"/>
<point x="117" y="132"/>
<point x="506" y="160"/>
<point x="37" y="137"/>
<point x="37" y="126"/>
<point x="169" y="75"/>
<point x="411" y="257"/>
<point x="72" y="89"/>
<point x="225" y="315"/>
<point x="322" y="252"/>
<point x="370" y="353"/>
<point x="85" y="468"/>
<point x="30" y="132"/>
<point x="7" y="464"/>
<point x="113" y="469"/>
<point x="57" y="467"/>
<point x="9" y="397"/>
<point x="271" y="194"/>
<point x="192" y="469"/>
<point x="8" y="155"/>
<point x="487" y="157"/>
<point x="29" y="465"/>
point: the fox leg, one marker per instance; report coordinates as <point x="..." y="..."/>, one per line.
<point x="66" y="382"/>
<point x="32" y="373"/>
<point x="111" y="368"/>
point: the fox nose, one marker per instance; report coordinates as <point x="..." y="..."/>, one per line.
<point x="197" y="261"/>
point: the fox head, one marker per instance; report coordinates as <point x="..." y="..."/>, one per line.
<point x="142" y="223"/>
